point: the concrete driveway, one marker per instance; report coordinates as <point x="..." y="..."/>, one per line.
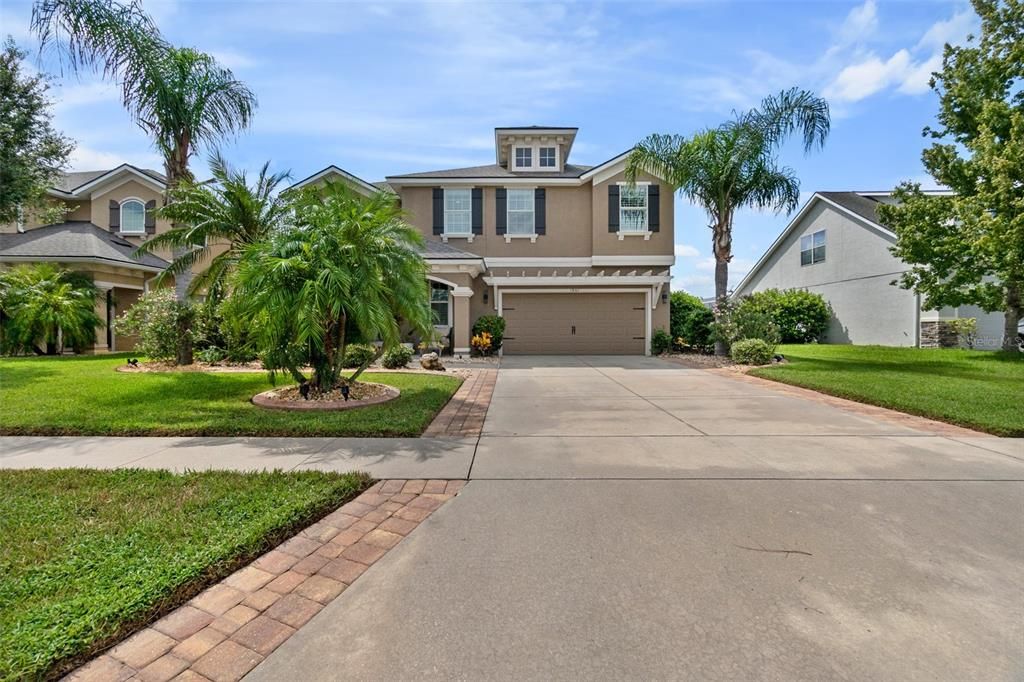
<point x="630" y="519"/>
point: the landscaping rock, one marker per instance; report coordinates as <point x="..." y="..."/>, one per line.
<point x="432" y="362"/>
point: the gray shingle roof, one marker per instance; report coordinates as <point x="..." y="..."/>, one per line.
<point x="74" y="239"/>
<point x="436" y="249"/>
<point x="68" y="182"/>
<point x="865" y="207"/>
<point x="494" y="171"/>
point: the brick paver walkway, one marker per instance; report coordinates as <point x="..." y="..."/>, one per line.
<point x="463" y="416"/>
<point x="226" y="631"/>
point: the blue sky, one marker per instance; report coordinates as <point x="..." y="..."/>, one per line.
<point x="389" y="88"/>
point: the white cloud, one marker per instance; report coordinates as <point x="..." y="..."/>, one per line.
<point x="687" y="251"/>
<point x="86" y="159"/>
<point x="953" y="30"/>
<point x="865" y="78"/>
<point x="16" y="26"/>
<point x="861" y="22"/>
<point x="68" y="97"/>
<point x="233" y="60"/>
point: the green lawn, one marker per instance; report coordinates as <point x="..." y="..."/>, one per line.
<point x="978" y="389"/>
<point x="88" y="556"/>
<point x="85" y="396"/>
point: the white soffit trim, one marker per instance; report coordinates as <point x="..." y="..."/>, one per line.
<point x="638" y="280"/>
<point x="634" y="260"/>
<point x="539" y="261"/>
<point x="792" y="226"/>
<point x="335" y="170"/>
<point x="530" y="181"/>
<point x="107" y="177"/>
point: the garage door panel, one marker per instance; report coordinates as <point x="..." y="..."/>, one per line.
<point x="602" y="323"/>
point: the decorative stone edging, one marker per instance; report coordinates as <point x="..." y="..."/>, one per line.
<point x="268" y="399"/>
<point x="227" y="630"/>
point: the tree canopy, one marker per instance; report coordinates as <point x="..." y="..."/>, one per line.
<point x="32" y="152"/>
<point x="968" y="247"/>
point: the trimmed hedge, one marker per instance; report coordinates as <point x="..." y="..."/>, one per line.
<point x="800" y="316"/>
<point x="752" y="352"/>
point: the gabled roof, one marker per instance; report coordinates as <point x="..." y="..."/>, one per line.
<point x="357" y="182"/>
<point x="75" y="241"/>
<point x="79" y="182"/>
<point x="853" y="204"/>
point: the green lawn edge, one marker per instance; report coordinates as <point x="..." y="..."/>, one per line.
<point x="789" y="374"/>
<point x="298" y="517"/>
<point x="86" y="396"/>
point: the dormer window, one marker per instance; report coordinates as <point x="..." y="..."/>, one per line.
<point x="524" y="157"/>
<point x="548" y="157"/>
<point x="133" y="217"/>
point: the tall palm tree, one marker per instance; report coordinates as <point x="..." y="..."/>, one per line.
<point x="735" y="165"/>
<point x="42" y="302"/>
<point x="180" y="96"/>
<point x="224" y="211"/>
<point x="346" y="260"/>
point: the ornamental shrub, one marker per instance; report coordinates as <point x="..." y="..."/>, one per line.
<point x="154" y="319"/>
<point x="752" y="352"/>
<point x="737" y="321"/>
<point x="800" y="316"/>
<point x="397" y="358"/>
<point x="661" y="342"/>
<point x="493" y="325"/>
<point x="358" y="355"/>
<point x="690" y="322"/>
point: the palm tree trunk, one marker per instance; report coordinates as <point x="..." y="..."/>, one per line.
<point x="1011" y="316"/>
<point x="176" y="167"/>
<point x="722" y="247"/>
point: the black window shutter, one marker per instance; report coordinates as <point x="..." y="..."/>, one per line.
<point x="653" y="207"/>
<point x="150" y="217"/>
<point x="438" y="210"/>
<point x="478" y="210"/>
<point x="115" y="216"/>
<point x="539" y="210"/>
<point x="613" y="208"/>
<point x="501" y="210"/>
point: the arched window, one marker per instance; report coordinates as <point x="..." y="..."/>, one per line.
<point x="133" y="216"/>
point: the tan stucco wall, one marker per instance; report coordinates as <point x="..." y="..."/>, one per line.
<point x="576" y="221"/>
<point x="607" y="243"/>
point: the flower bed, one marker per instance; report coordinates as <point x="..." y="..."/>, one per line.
<point x="361" y="394"/>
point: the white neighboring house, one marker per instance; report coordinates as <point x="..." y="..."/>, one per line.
<point x="836" y="246"/>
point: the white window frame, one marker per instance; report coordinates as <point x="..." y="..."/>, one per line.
<point x="540" y="162"/>
<point x="509" y="211"/>
<point x="437" y="286"/>
<point x="468" y="232"/>
<point x="125" y="202"/>
<point x="515" y="157"/>
<point x="823" y="246"/>
<point x="534" y="151"/>
<point x="643" y="210"/>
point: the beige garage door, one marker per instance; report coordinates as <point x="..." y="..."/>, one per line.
<point x="574" y="323"/>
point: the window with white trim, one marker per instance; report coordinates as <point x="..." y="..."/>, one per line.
<point x="133" y="217"/>
<point x="458" y="211"/>
<point x="524" y="157"/>
<point x="548" y="157"/>
<point x="812" y="248"/>
<point x="439" y="303"/>
<point x="520" y="211"/>
<point x="633" y="208"/>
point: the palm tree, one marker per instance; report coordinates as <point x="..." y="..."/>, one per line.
<point x="181" y="97"/>
<point x="347" y="261"/>
<point x="735" y="165"/>
<point x="42" y="302"/>
<point x="226" y="210"/>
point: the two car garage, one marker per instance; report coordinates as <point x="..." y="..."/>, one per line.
<point x="600" y="323"/>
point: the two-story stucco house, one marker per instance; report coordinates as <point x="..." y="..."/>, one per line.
<point x="837" y="246"/>
<point x="108" y="214"/>
<point x="573" y="257"/>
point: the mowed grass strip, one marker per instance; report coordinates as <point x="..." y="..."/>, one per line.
<point x="89" y="556"/>
<point x="982" y="390"/>
<point x="85" y="396"/>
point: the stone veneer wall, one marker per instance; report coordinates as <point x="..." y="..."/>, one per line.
<point x="938" y="334"/>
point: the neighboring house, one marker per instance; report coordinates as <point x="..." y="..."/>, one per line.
<point x="109" y="213"/>
<point x="573" y="257"/>
<point x="837" y="246"/>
